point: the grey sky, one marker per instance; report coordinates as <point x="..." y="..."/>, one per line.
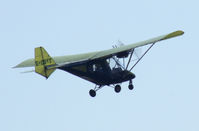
<point x="166" y="86"/>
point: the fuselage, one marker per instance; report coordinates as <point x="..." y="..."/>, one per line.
<point x="100" y="72"/>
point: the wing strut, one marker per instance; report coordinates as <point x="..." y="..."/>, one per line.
<point x="141" y="56"/>
<point x="129" y="59"/>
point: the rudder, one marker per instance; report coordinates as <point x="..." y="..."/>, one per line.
<point x="42" y="62"/>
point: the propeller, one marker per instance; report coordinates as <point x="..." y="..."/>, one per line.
<point x="118" y="44"/>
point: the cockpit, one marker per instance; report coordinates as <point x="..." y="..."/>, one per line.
<point x="114" y="65"/>
<point x="107" y="66"/>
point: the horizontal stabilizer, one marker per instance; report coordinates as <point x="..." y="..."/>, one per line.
<point x="28" y="71"/>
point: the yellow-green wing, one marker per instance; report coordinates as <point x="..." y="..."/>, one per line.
<point x="115" y="51"/>
<point x="64" y="60"/>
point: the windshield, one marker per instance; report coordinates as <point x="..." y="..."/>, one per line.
<point x="114" y="63"/>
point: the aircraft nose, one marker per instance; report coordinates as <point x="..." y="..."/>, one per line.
<point x="132" y="75"/>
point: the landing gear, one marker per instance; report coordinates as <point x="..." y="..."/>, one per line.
<point x="130" y="85"/>
<point x="92" y="93"/>
<point x="117" y="88"/>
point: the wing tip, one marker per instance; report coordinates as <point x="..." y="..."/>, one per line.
<point x="179" y="32"/>
<point x="174" y="34"/>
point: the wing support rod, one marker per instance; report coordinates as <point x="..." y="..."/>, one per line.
<point x="129" y="59"/>
<point x="142" y="56"/>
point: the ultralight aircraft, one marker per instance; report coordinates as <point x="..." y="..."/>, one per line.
<point x="103" y="68"/>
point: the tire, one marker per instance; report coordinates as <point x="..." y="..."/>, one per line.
<point x="92" y="93"/>
<point x="131" y="87"/>
<point x="117" y="88"/>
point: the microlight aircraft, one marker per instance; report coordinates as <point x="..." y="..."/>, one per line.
<point x="103" y="68"/>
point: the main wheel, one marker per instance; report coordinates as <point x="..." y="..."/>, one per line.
<point x="92" y="93"/>
<point x="117" y="88"/>
<point x="131" y="87"/>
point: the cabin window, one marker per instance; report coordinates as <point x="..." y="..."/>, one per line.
<point x="113" y="64"/>
<point x="97" y="67"/>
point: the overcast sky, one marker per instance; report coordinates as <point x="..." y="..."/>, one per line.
<point x="166" y="91"/>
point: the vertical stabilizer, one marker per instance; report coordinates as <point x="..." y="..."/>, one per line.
<point x="42" y="62"/>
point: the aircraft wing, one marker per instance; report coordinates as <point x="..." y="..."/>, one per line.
<point x="73" y="59"/>
<point x="115" y="51"/>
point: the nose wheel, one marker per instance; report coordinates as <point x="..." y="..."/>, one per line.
<point x="130" y="85"/>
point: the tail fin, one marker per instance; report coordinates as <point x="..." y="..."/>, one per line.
<point x="42" y="62"/>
